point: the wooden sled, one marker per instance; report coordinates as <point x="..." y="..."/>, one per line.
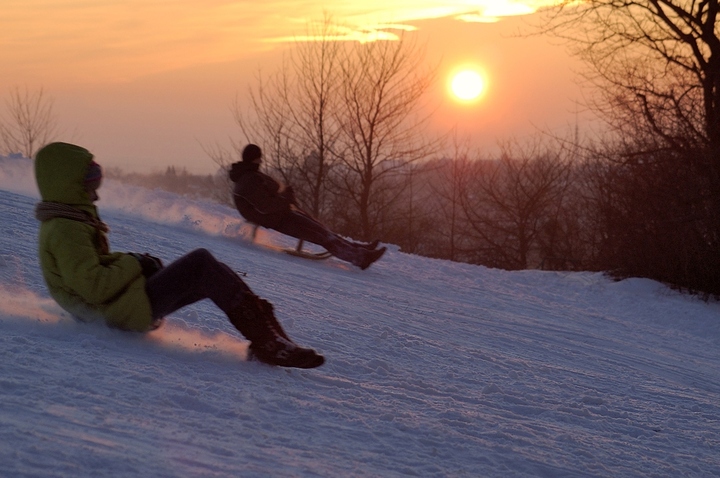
<point x="298" y="251"/>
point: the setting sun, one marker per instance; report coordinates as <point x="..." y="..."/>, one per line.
<point x="467" y="85"/>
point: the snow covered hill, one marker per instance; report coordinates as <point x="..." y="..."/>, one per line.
<point x="433" y="368"/>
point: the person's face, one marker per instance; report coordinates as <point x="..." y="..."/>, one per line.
<point x="93" y="180"/>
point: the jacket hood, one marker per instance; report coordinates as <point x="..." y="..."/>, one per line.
<point x="240" y="168"/>
<point x="60" y="170"/>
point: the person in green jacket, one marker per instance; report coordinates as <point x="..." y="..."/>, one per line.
<point x="132" y="291"/>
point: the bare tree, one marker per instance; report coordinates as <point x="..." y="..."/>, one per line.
<point x="449" y="181"/>
<point x="656" y="60"/>
<point x="409" y="218"/>
<point x="508" y="202"/>
<point x="28" y="121"/>
<point x="270" y="121"/>
<point x="293" y="114"/>
<point x="314" y="99"/>
<point x="656" y="66"/>
<point x="382" y="86"/>
<point x="346" y="109"/>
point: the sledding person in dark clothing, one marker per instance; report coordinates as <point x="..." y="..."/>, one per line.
<point x="261" y="200"/>
<point x="132" y="291"/>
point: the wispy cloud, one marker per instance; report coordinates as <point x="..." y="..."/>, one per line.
<point x="127" y="38"/>
<point x="376" y="19"/>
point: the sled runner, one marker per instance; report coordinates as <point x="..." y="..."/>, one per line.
<point x="298" y="251"/>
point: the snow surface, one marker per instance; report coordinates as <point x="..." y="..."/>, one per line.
<point x="433" y="368"/>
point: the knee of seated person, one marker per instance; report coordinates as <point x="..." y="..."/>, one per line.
<point x="199" y="257"/>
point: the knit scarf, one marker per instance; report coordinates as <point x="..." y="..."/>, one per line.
<point x="46" y="210"/>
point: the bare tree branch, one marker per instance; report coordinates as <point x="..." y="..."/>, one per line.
<point x="28" y="121"/>
<point x="382" y="85"/>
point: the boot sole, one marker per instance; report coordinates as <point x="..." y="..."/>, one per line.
<point x="310" y="362"/>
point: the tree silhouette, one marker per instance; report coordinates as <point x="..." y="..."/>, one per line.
<point x="338" y="120"/>
<point x="382" y="86"/>
<point x="655" y="66"/>
<point x="509" y="202"/>
<point x="28" y="121"/>
<point x="292" y="115"/>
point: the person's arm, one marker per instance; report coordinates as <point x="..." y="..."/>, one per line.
<point x="261" y="191"/>
<point x="93" y="277"/>
<point x="289" y="194"/>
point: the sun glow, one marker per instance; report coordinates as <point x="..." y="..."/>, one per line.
<point x="467" y="85"/>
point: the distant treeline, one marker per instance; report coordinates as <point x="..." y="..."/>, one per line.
<point x="178" y="180"/>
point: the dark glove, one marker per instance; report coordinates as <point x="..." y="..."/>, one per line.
<point x="150" y="264"/>
<point x="289" y="194"/>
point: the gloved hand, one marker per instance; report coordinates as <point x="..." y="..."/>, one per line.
<point x="150" y="264"/>
<point x="289" y="194"/>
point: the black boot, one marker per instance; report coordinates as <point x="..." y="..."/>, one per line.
<point x="267" y="308"/>
<point x="371" y="256"/>
<point x="353" y="253"/>
<point x="254" y="319"/>
<point x="348" y="251"/>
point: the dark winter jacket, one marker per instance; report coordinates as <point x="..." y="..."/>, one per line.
<point x="258" y="197"/>
<point x="80" y="272"/>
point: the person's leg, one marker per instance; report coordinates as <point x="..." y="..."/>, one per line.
<point x="303" y="227"/>
<point x="198" y="275"/>
<point x="193" y="277"/>
<point x="311" y="220"/>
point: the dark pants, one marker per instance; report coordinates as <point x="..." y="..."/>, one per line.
<point x="300" y="226"/>
<point x="195" y="276"/>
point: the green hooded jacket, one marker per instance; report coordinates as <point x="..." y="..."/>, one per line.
<point x="81" y="274"/>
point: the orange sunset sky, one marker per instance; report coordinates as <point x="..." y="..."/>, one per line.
<point x="145" y="84"/>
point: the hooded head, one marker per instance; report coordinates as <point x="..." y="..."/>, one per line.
<point x="251" y="153"/>
<point x="61" y="170"/>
